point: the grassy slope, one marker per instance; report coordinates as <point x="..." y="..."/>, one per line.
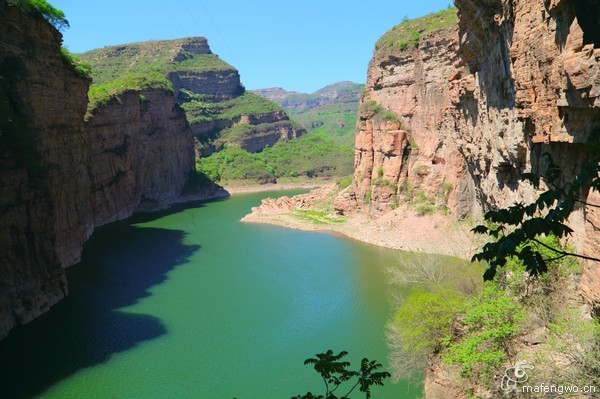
<point x="142" y="65"/>
<point x="406" y="35"/>
<point x="200" y="110"/>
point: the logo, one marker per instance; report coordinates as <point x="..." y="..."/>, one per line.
<point x="514" y="375"/>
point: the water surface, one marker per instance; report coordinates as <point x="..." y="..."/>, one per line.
<point x="194" y="304"/>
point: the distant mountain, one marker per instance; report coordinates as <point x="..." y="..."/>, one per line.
<point x="341" y="92"/>
<point x="331" y="110"/>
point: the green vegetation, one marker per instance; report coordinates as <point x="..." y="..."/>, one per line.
<point x="435" y="290"/>
<point x="145" y="65"/>
<point x="115" y="62"/>
<point x="248" y="104"/>
<point x="377" y="112"/>
<point x="344" y="182"/>
<point x="309" y="155"/>
<point x="335" y="374"/>
<point x="335" y="120"/>
<point x="480" y="331"/>
<point x="100" y="95"/>
<point x="426" y="319"/>
<point x="330" y="111"/>
<point x="491" y="321"/>
<point x="51" y="14"/>
<point x="406" y="35"/>
<point x="200" y="109"/>
<point x="422" y="203"/>
<point x="318" y="217"/>
<point x="81" y="67"/>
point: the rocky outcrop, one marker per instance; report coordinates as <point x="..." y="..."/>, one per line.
<point x="258" y="136"/>
<point x="216" y="85"/>
<point x="404" y="137"/>
<point x="61" y="177"/>
<point x="460" y="116"/>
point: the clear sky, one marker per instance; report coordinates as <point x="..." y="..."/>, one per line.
<point x="299" y="45"/>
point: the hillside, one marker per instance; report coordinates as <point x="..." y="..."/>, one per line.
<point x="218" y="109"/>
<point x="329" y="116"/>
<point x="331" y="110"/>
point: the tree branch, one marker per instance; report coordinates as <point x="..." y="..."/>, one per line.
<point x="564" y="253"/>
<point x="587" y="204"/>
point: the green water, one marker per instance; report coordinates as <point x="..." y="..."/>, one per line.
<point x="194" y="304"/>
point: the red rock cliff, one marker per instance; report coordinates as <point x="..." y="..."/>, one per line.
<point x="61" y="177"/>
<point x="459" y="112"/>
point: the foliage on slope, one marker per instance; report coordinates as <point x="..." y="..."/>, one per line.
<point x="310" y="156"/>
<point x="138" y="66"/>
<point x="406" y="34"/>
<point x="483" y="330"/>
<point x="200" y="110"/>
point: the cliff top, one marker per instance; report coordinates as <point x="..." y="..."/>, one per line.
<point x="189" y="54"/>
<point x="147" y="64"/>
<point x="406" y="34"/>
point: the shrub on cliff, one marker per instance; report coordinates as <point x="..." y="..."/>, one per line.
<point x="100" y="95"/>
<point x="51" y="14"/>
<point x="491" y="321"/>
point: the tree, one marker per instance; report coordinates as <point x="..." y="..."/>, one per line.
<point x="334" y="372"/>
<point x="516" y="230"/>
<point x="53" y="15"/>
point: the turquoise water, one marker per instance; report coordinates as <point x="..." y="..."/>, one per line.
<point x="194" y="304"/>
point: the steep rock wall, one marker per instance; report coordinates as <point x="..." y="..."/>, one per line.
<point x="416" y="150"/>
<point x="60" y="177"/>
<point x="476" y="105"/>
<point x="43" y="103"/>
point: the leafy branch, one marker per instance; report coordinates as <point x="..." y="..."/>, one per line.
<point x="334" y="372"/>
<point x="516" y="229"/>
<point x="51" y="14"/>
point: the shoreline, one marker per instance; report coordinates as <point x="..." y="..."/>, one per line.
<point x="400" y="229"/>
<point x="242" y="188"/>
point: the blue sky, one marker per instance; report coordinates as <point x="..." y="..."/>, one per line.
<point x="300" y="45"/>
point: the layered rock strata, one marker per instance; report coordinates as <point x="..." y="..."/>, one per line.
<point x="460" y="116"/>
<point x="61" y="177"/>
<point x="208" y="89"/>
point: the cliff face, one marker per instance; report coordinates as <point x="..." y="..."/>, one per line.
<point x="42" y="103"/>
<point x="208" y="89"/>
<point x="61" y="177"/>
<point x="460" y="116"/>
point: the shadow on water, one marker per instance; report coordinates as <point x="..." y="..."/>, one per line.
<point x="120" y="263"/>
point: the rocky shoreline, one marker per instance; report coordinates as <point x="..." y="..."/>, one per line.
<point x="401" y="228"/>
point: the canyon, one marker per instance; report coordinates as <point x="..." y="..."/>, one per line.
<point x="454" y="113"/>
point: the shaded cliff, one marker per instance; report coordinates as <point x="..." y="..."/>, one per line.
<point x="61" y="176"/>
<point x="455" y="112"/>
<point x="218" y="109"/>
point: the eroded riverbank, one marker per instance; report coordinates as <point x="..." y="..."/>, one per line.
<point x="402" y="228"/>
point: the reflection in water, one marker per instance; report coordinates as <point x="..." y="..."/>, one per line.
<point x="87" y="327"/>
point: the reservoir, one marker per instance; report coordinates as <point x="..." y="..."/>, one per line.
<point x="192" y="303"/>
